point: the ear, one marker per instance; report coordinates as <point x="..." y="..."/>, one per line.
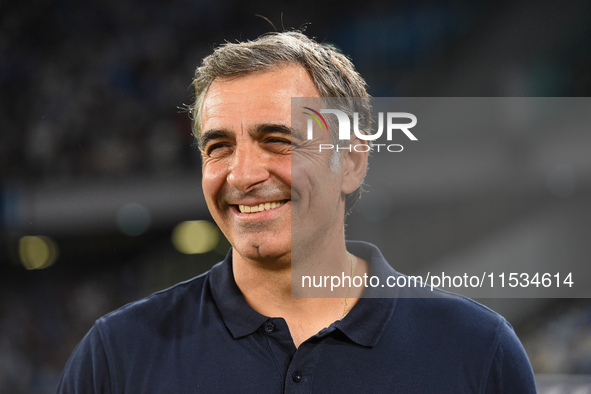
<point x="354" y="165"/>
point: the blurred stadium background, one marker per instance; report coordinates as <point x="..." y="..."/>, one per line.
<point x="100" y="200"/>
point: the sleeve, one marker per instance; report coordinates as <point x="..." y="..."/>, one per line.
<point x="510" y="370"/>
<point x="87" y="369"/>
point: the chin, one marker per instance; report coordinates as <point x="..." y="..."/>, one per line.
<point x="262" y="251"/>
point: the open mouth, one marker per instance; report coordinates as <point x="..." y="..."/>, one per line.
<point x="261" y="207"/>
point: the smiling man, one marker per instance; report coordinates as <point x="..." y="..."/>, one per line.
<point x="237" y="328"/>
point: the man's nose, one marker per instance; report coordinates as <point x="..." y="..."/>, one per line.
<point x="248" y="168"/>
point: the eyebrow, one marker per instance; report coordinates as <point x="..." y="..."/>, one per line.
<point x="272" y="128"/>
<point x="214" y="134"/>
<point x="258" y="130"/>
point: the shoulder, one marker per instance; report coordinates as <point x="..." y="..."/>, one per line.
<point x="166" y="308"/>
<point x="449" y="308"/>
<point x="510" y="370"/>
<point x="458" y="330"/>
<point x="124" y="344"/>
<point x="451" y="316"/>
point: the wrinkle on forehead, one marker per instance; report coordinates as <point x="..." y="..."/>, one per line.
<point x="274" y="87"/>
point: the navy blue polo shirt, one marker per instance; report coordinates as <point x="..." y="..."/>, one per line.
<point x="201" y="336"/>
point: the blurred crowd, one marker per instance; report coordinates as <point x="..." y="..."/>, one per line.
<point x="560" y="342"/>
<point x="42" y="320"/>
<point x="100" y="89"/>
<point x="97" y="89"/>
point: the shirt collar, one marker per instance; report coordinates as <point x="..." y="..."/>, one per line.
<point x="238" y="316"/>
<point x="363" y="325"/>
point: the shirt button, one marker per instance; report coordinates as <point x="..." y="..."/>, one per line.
<point x="269" y="327"/>
<point x="297" y="376"/>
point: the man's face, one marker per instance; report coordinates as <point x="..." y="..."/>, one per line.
<point x="248" y="147"/>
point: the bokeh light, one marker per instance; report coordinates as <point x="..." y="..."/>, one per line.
<point x="37" y="252"/>
<point x="195" y="237"/>
<point x="133" y="219"/>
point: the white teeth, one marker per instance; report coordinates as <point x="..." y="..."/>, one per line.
<point x="261" y="207"/>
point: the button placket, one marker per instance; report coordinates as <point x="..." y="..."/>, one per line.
<point x="302" y="366"/>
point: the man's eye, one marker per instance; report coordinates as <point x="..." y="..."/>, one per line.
<point x="277" y="145"/>
<point x="278" y="140"/>
<point x="214" y="149"/>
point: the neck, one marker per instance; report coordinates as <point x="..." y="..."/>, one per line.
<point x="267" y="288"/>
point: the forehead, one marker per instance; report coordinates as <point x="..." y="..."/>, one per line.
<point x="261" y="96"/>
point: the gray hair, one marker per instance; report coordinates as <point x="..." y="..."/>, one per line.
<point x="332" y="72"/>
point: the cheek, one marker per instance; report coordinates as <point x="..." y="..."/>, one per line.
<point x="212" y="181"/>
<point x="312" y="168"/>
<point x="309" y="183"/>
<point x="284" y="169"/>
<point x="299" y="173"/>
